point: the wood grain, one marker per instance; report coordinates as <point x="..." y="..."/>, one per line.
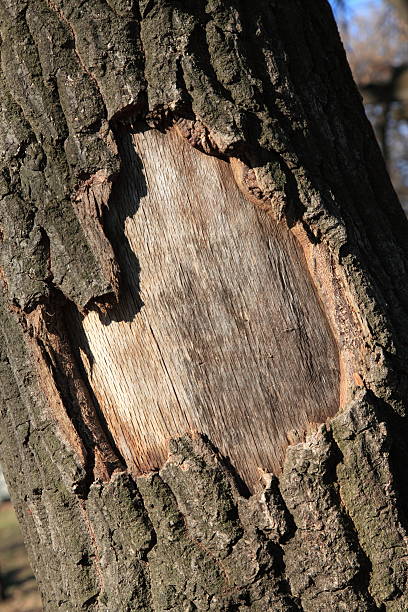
<point x="218" y="329"/>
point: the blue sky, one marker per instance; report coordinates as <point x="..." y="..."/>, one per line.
<point x="353" y="8"/>
<point x="358" y="5"/>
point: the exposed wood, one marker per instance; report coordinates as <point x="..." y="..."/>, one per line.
<point x="219" y="321"/>
<point x="341" y="311"/>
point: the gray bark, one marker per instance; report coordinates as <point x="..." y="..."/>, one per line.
<point x="265" y="88"/>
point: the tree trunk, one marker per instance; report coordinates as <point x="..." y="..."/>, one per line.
<point x="204" y="315"/>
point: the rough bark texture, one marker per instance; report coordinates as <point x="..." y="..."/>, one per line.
<point x="266" y="88"/>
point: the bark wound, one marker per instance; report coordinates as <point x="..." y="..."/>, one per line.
<point x="188" y="347"/>
<point x="68" y="399"/>
<point x="341" y="311"/>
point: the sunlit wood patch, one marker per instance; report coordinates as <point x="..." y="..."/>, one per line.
<point x="220" y="329"/>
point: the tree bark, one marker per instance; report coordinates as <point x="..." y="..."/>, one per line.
<point x="402" y="7"/>
<point x="200" y="243"/>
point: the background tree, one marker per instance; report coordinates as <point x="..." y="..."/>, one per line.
<point x="376" y="38"/>
<point x="152" y="290"/>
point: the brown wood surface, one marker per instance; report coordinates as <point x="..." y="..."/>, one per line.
<point x="219" y="329"/>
